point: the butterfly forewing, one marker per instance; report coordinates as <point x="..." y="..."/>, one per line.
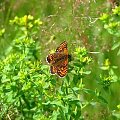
<point x="62" y="47"/>
<point x="55" y="58"/>
<point x="51" y="58"/>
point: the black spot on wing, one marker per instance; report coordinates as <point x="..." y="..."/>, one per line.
<point x="50" y="58"/>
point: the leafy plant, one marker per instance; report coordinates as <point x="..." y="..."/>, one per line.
<point x="111" y="24"/>
<point x="20" y="71"/>
<point x="108" y="76"/>
<point x="28" y="90"/>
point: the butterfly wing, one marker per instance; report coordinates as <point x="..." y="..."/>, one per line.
<point x="62" y="47"/>
<point x="58" y="63"/>
<point x="62" y="68"/>
<point x="55" y="58"/>
<point x="53" y="69"/>
<point x="50" y="58"/>
<point x="59" y="60"/>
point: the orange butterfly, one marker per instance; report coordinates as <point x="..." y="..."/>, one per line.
<point x="59" y="60"/>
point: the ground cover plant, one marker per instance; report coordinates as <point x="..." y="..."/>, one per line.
<point x="90" y="89"/>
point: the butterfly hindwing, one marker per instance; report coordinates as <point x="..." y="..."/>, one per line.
<point x="62" y="68"/>
<point x="53" y="69"/>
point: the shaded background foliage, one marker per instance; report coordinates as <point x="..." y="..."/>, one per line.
<point x="77" y="22"/>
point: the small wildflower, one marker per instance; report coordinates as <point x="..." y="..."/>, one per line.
<point x="30" y="17"/>
<point x="104" y="17"/>
<point x="2" y="31"/>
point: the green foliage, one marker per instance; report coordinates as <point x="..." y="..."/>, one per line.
<point x="90" y="90"/>
<point x="27" y="88"/>
<point x="20" y="73"/>
<point x="112" y="24"/>
<point x="108" y="76"/>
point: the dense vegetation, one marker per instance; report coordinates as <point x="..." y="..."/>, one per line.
<point x="30" y="30"/>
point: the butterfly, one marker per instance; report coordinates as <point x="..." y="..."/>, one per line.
<point x="59" y="60"/>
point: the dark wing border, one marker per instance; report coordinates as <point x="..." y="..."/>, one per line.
<point x="61" y="47"/>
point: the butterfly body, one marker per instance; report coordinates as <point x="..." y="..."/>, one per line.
<point x="59" y="60"/>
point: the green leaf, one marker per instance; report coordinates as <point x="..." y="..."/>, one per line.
<point x="104" y="67"/>
<point x="47" y="103"/>
<point x="118" y="53"/>
<point x="116" y="45"/>
<point x="57" y="103"/>
<point x="87" y="72"/>
<point x="102" y="99"/>
<point x="5" y="80"/>
<point x="88" y="91"/>
<point x="10" y="97"/>
<point x="116" y="114"/>
<point x="54" y="115"/>
<point x="75" y="89"/>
